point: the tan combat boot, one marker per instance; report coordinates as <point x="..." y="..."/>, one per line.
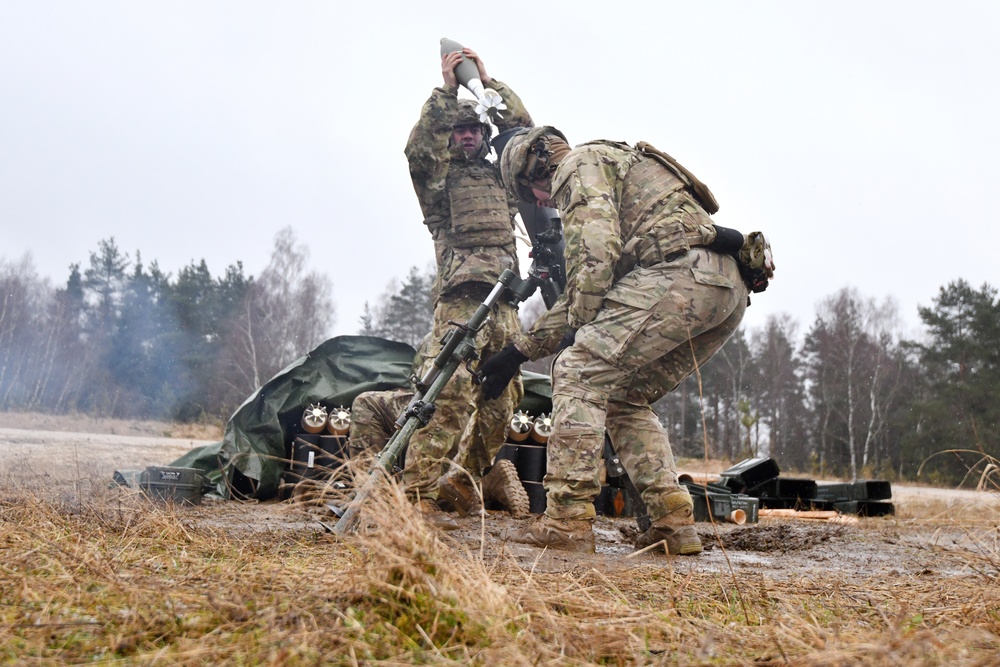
<point x="459" y="491"/>
<point x="565" y="534"/>
<point x="675" y="529"/>
<point x="503" y="485"/>
<point x="432" y="514"/>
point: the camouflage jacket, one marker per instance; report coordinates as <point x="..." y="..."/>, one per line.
<point x="445" y="181"/>
<point x="620" y="209"/>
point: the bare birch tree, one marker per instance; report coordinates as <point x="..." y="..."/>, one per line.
<point x="288" y="311"/>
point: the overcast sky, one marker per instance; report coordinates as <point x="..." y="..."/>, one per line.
<point x="861" y="137"/>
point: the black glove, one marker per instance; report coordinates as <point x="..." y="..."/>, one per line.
<point x="496" y="372"/>
<point x="568" y="339"/>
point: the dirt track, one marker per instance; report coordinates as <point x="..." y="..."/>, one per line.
<point x="921" y="540"/>
<point x="59" y="461"/>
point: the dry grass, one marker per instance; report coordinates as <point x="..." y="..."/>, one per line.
<point x="116" y="580"/>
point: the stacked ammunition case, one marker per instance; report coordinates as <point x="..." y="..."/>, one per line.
<point x="317" y="450"/>
<point x="760" y="478"/>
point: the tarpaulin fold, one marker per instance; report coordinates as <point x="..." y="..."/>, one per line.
<point x="252" y="455"/>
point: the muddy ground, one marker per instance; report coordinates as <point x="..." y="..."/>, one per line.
<point x="936" y="534"/>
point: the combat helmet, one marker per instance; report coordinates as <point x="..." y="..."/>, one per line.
<point x="525" y="159"/>
<point x="467" y="116"/>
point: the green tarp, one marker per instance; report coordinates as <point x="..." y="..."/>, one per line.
<point x="253" y="453"/>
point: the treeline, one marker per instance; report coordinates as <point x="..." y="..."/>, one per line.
<point x="854" y="398"/>
<point x="124" y="339"/>
<point x="850" y="397"/>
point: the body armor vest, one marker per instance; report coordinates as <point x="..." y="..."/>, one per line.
<point x="480" y="216"/>
<point x="659" y="217"/>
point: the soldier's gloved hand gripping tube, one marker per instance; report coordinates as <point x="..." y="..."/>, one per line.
<point x="496" y="372"/>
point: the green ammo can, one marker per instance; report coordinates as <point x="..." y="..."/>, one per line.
<point x="178" y="485"/>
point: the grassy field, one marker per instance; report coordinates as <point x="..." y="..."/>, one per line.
<point x="99" y="575"/>
<point x="116" y="580"/>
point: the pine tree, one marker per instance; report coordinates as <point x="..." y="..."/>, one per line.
<point x="366" y="322"/>
<point x="105" y="280"/>
<point x="779" y="390"/>
<point x="961" y="364"/>
<point x="104" y="283"/>
<point x="406" y="314"/>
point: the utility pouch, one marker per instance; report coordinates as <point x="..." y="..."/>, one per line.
<point x="699" y="189"/>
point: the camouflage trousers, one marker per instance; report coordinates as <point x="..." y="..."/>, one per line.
<point x="465" y="427"/>
<point x="657" y="325"/>
<point x="373" y="420"/>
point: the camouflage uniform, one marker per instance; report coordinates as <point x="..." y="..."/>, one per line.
<point x="373" y="423"/>
<point x="373" y="420"/>
<point x="374" y="413"/>
<point x="650" y="303"/>
<point x="469" y="216"/>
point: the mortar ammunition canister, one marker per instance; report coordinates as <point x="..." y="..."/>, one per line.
<point x="536" y="497"/>
<point x="339" y="421"/>
<point x="541" y="429"/>
<point x="179" y="485"/>
<point x="520" y="427"/>
<point x="314" y="418"/>
<point x="531" y="462"/>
